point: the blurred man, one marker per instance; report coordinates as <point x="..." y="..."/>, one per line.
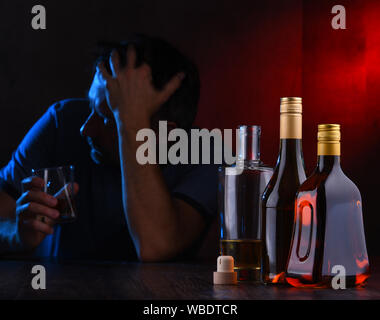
<point x="125" y="210"/>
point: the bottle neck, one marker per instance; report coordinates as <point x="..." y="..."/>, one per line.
<point x="248" y="145"/>
<point x="290" y="150"/>
<point x="291" y="125"/>
<point x="290" y="135"/>
<point x="290" y="160"/>
<point x="327" y="163"/>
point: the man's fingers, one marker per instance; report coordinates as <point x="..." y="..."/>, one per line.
<point x="33" y="209"/>
<point x="131" y="57"/>
<point x="48" y="221"/>
<point x="32" y="182"/>
<point x="115" y="63"/>
<point x="146" y="72"/>
<point x="36" y="225"/>
<point x="106" y="78"/>
<point x="171" y="86"/>
<point x="38" y="197"/>
<point x="103" y="73"/>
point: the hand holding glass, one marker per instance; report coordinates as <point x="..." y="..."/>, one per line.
<point x="59" y="182"/>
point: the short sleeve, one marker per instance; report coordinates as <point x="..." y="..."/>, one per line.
<point x="198" y="187"/>
<point x="35" y="151"/>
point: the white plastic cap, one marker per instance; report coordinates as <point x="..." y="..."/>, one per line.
<point x="225" y="271"/>
<point x="225" y="264"/>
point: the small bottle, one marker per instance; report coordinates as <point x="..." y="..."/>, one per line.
<point x="328" y="237"/>
<point x="279" y="196"/>
<point x="240" y="190"/>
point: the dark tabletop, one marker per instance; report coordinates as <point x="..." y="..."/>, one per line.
<point x="118" y="280"/>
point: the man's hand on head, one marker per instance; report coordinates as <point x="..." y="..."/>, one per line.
<point x="130" y="92"/>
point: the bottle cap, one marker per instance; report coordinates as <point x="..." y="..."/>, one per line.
<point x="329" y="132"/>
<point x="291" y="105"/>
<point x="329" y="140"/>
<point x="225" y="271"/>
<point x="291" y="118"/>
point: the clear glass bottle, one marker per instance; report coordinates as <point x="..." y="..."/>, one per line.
<point x="328" y="235"/>
<point x="240" y="190"/>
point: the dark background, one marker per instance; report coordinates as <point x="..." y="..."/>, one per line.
<point x="249" y="53"/>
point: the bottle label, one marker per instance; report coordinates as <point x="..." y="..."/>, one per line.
<point x="291" y="126"/>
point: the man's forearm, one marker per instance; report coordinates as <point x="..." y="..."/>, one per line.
<point x="150" y="212"/>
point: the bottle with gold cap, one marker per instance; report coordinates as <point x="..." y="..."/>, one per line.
<point x="279" y="195"/>
<point x="328" y="245"/>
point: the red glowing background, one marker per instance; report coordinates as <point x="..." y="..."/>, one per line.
<point x="291" y="49"/>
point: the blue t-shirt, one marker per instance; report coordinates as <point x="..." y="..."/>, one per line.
<point x="100" y="230"/>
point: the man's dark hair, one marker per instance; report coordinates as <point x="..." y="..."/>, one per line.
<point x="165" y="61"/>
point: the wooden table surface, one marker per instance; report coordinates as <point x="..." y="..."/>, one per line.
<point x="117" y="280"/>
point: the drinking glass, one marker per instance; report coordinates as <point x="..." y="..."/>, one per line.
<point x="59" y="182"/>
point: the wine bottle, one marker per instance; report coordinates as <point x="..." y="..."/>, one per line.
<point x="279" y="195"/>
<point x="328" y="246"/>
